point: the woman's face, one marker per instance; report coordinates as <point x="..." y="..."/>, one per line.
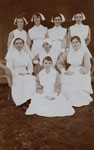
<point x="78" y="18"/>
<point x="36" y="19"/>
<point x="47" y="65"/>
<point x="46" y="46"/>
<point x="20" y="23"/>
<point x="57" y="21"/>
<point x="19" y="44"/>
<point x="76" y="44"/>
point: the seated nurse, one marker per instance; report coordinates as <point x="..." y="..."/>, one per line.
<point x="76" y="80"/>
<point x="46" y="51"/>
<point x="48" y="100"/>
<point x="19" y="62"/>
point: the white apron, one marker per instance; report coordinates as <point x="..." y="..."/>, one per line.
<point x="37" y="34"/>
<point x="23" y="86"/>
<point x="77" y="87"/>
<point x="81" y="31"/>
<point x="56" y="35"/>
<point x="21" y="34"/>
<point x="42" y="106"/>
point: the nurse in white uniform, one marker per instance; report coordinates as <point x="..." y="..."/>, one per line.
<point x="46" y="51"/>
<point x="19" y="62"/>
<point x="76" y="80"/>
<point x="79" y="29"/>
<point x="19" y="21"/>
<point x="36" y="34"/>
<point x="58" y="34"/>
<point x="48" y="100"/>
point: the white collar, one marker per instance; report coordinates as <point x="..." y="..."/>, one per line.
<point x="79" y="24"/>
<point x="19" y="30"/>
<point x="19" y="52"/>
<point x="59" y="27"/>
<point x="38" y="26"/>
<point x="76" y="51"/>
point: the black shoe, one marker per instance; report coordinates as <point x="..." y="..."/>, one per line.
<point x="25" y="105"/>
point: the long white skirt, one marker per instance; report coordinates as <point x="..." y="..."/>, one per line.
<point x="77" y="87"/>
<point x="49" y="108"/>
<point x="23" y="88"/>
<point x="36" y="47"/>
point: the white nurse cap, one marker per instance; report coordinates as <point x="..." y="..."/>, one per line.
<point x="62" y="16"/>
<point x="47" y="41"/>
<point x="15" y="20"/>
<point x="42" y="17"/>
<point x="73" y="18"/>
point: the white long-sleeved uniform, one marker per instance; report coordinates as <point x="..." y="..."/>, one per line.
<point x="20" y="65"/>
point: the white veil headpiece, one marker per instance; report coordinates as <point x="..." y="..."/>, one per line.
<point x="12" y="48"/>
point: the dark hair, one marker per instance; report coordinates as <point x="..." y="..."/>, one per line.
<point x="20" y="17"/>
<point x="44" y="43"/>
<point x="57" y="15"/>
<point x="76" y="37"/>
<point x="48" y="58"/>
<point x="38" y="15"/>
<point x="78" y="12"/>
<point x="18" y="39"/>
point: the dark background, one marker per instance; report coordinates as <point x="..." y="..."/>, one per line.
<point x="10" y="8"/>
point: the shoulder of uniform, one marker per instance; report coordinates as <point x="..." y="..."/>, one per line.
<point x="71" y="27"/>
<point x="11" y="33"/>
<point x="24" y="31"/>
<point x="31" y="29"/>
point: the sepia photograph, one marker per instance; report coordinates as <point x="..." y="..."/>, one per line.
<point x="46" y="74"/>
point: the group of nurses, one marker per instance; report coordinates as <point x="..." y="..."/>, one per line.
<point x="40" y="42"/>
